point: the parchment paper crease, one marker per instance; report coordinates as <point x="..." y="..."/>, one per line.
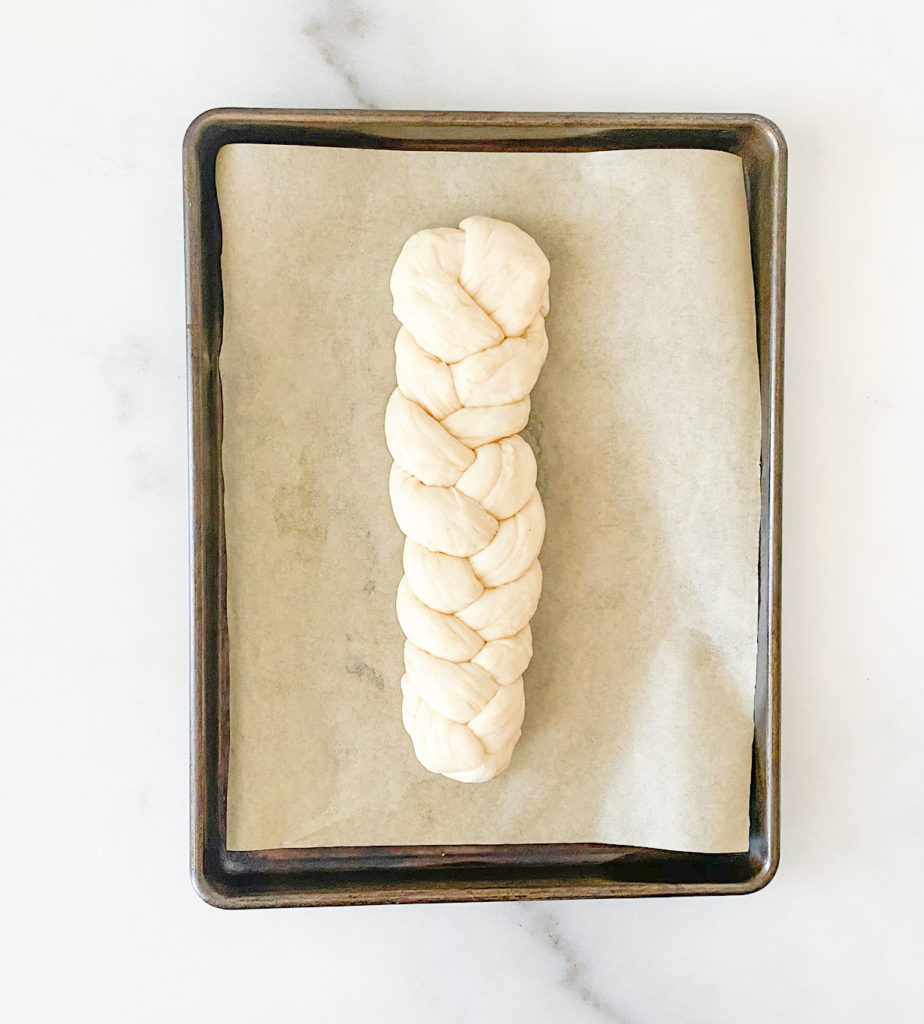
<point x="646" y="426"/>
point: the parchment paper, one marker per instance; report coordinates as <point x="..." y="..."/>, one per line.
<point x="646" y="427"/>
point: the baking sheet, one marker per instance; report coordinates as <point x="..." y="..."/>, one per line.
<point x="646" y="426"/>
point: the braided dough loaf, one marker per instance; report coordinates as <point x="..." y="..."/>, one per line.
<point x="473" y="303"/>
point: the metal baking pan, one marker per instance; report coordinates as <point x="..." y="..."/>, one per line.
<point x="317" y="877"/>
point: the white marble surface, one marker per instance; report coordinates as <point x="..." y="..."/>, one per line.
<point x="99" y="921"/>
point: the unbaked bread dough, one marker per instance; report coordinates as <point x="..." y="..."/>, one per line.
<point x="473" y="302"/>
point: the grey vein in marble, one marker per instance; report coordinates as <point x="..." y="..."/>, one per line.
<point x="546" y="928"/>
<point x="332" y="34"/>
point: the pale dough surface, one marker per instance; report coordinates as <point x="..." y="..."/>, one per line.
<point x="645" y="426"/>
<point x="473" y="302"/>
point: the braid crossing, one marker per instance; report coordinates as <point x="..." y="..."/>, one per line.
<point x="472" y="302"/>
